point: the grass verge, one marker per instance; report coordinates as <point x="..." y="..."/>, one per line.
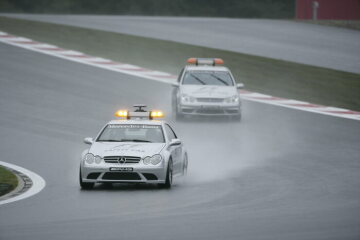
<point x="8" y="181"/>
<point x="265" y="75"/>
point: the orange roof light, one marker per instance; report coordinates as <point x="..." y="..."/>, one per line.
<point x="122" y="113"/>
<point x="139" y="113"/>
<point x="218" y="61"/>
<point x="192" y="61"/>
<point x="205" y="61"/>
<point x="156" y="114"/>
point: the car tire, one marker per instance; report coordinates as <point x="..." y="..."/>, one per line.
<point x="169" y="176"/>
<point x="185" y="166"/>
<point x="84" y="185"/>
<point x="237" y="118"/>
<point x="178" y="116"/>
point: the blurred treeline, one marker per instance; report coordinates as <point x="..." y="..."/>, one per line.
<point x="214" y="8"/>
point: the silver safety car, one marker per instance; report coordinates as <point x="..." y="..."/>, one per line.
<point x="206" y="88"/>
<point x="135" y="149"/>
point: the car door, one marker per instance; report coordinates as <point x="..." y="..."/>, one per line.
<point x="175" y="92"/>
<point x="176" y="151"/>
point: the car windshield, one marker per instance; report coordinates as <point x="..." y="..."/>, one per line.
<point x="132" y="133"/>
<point x="221" y="78"/>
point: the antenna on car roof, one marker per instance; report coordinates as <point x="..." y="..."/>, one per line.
<point x="139" y="107"/>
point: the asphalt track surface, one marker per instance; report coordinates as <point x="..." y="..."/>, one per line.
<point x="317" y="45"/>
<point x="279" y="174"/>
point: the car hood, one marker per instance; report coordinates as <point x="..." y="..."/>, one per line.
<point x="125" y="149"/>
<point x="201" y="91"/>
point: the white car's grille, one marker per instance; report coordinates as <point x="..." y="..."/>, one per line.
<point x="210" y="100"/>
<point x="121" y="159"/>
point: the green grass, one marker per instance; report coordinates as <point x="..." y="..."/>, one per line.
<point x="265" y="75"/>
<point x="8" y="181"/>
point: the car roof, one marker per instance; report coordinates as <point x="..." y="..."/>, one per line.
<point x="206" y="68"/>
<point x="136" y="121"/>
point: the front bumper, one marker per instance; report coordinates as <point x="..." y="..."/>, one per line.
<point x="139" y="174"/>
<point x="210" y="109"/>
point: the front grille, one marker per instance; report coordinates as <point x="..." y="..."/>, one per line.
<point x="210" y="111"/>
<point x="93" y="175"/>
<point x="232" y="111"/>
<point x="185" y="110"/>
<point x="121" y="159"/>
<point x="210" y="100"/>
<point x="150" y="176"/>
<point x="121" y="176"/>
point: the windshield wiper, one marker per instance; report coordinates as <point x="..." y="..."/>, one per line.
<point x="220" y="79"/>
<point x="199" y="80"/>
<point x="109" y="140"/>
<point x="133" y="140"/>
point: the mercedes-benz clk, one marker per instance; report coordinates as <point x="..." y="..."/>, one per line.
<point x="136" y="149"/>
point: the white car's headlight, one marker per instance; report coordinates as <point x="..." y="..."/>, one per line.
<point x="98" y="159"/>
<point x="233" y="99"/>
<point x="154" y="160"/>
<point x="146" y="160"/>
<point x="89" y="158"/>
<point x="186" y="98"/>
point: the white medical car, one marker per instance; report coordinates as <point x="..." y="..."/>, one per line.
<point x="206" y="88"/>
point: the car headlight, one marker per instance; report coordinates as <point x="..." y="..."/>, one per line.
<point x="154" y="160"/>
<point x="187" y="98"/>
<point x="98" y="159"/>
<point x="89" y="158"/>
<point x="233" y="99"/>
<point x="146" y="160"/>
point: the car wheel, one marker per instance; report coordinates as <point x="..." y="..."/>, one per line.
<point x="169" y="176"/>
<point x="85" y="185"/>
<point x="185" y="165"/>
<point x="178" y="116"/>
<point x="238" y="118"/>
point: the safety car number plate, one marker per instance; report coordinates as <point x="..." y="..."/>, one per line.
<point x="121" y="169"/>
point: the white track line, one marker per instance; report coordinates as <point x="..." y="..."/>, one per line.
<point x="37" y="186"/>
<point x="165" y="77"/>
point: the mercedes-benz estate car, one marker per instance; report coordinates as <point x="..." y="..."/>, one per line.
<point x="206" y="88"/>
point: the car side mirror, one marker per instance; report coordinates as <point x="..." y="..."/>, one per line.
<point x="175" y="84"/>
<point x="88" y="140"/>
<point x="240" y="85"/>
<point x="175" y="142"/>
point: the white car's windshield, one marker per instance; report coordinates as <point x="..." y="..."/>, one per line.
<point x="132" y="133"/>
<point x="220" y="78"/>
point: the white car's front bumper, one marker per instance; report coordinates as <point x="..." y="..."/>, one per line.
<point x="139" y="174"/>
<point x="209" y="109"/>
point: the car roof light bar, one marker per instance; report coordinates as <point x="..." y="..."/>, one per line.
<point x="205" y="61"/>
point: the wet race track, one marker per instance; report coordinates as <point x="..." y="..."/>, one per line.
<point x="279" y="174"/>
